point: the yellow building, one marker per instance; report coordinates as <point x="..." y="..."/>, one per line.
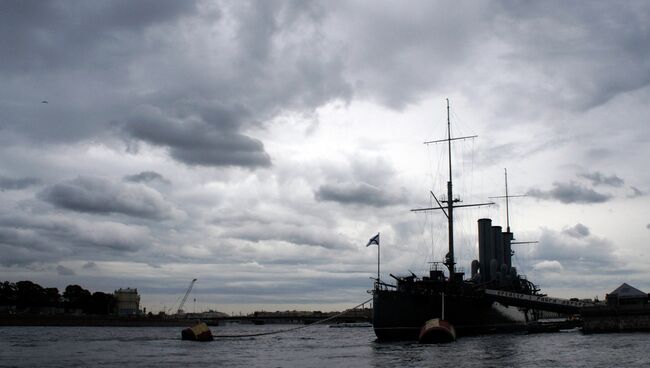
<point x="127" y="302"/>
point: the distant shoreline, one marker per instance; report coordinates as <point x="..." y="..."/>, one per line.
<point x="155" y="321"/>
<point x="90" y="321"/>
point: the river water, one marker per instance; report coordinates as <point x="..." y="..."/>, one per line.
<point x="316" y="346"/>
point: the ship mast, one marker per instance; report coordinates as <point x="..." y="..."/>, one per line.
<point x="448" y="210"/>
<point x="450" y="202"/>
<point x="505" y="173"/>
<point x="507" y="197"/>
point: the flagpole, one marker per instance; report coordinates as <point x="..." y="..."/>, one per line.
<point x="378" y="259"/>
<point x="375" y="240"/>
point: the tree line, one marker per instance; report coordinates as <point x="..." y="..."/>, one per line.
<point x="29" y="297"/>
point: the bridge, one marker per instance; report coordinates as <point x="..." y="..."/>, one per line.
<point x="535" y="302"/>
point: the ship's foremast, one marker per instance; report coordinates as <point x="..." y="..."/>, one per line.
<point x="449" y="261"/>
<point x="448" y="210"/>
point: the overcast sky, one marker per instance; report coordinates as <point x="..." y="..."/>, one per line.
<point x="257" y="146"/>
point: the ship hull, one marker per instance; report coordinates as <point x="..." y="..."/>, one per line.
<point x="400" y="315"/>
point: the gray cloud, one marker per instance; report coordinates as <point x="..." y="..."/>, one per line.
<point x="569" y="193"/>
<point x="89" y="265"/>
<point x="582" y="51"/>
<point x="217" y="85"/>
<point x="104" y="42"/>
<point x="356" y="194"/>
<point x="296" y="234"/>
<point x="402" y="76"/>
<point x="31" y="238"/>
<point x="104" y="196"/>
<point x="597" y="178"/>
<point x="636" y="192"/>
<point x="367" y="181"/>
<point x="7" y="183"/>
<point x="196" y="142"/>
<point x="87" y="30"/>
<point x="64" y="271"/>
<point x="548" y="266"/>
<point x="576" y="249"/>
<point x="647" y="226"/>
<point x="577" y="231"/>
<point x="165" y="55"/>
<point x="146" y="177"/>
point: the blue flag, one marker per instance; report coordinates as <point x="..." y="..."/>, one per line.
<point x="373" y="240"/>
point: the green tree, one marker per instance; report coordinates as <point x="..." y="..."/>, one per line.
<point x="101" y="303"/>
<point x="30" y="295"/>
<point x="76" y="297"/>
<point x="53" y="297"/>
<point x="8" y="293"/>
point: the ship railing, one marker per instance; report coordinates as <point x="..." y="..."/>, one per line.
<point x="380" y="285"/>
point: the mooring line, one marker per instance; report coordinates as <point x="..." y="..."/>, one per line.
<point x="293" y="328"/>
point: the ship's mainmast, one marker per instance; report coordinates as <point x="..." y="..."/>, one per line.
<point x="449" y="261"/>
<point x="448" y="210"/>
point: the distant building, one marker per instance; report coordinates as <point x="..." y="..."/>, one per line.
<point x="127" y="302"/>
<point x="625" y="295"/>
<point x="211" y="314"/>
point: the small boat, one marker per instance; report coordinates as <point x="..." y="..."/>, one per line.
<point x="437" y="330"/>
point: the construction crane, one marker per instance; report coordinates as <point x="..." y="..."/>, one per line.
<point x="187" y="293"/>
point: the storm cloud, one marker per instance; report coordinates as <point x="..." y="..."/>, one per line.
<point x="64" y="271"/>
<point x="577" y="231"/>
<point x="548" y="266"/>
<point x="89" y="265"/>
<point x="28" y="239"/>
<point x="575" y="248"/>
<point x="104" y="196"/>
<point x="569" y="193"/>
<point x="195" y="142"/>
<point x="636" y="192"/>
<point x="17" y="183"/>
<point x="597" y="178"/>
<point x="356" y="194"/>
<point x="291" y="132"/>
<point x="146" y="177"/>
<point x="299" y="235"/>
<point x="84" y="32"/>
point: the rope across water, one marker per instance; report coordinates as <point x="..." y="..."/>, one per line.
<point x="293" y="328"/>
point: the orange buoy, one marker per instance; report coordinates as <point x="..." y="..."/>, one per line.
<point x="198" y="332"/>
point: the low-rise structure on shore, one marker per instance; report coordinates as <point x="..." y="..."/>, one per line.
<point x="127" y="302"/>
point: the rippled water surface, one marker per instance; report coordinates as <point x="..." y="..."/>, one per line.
<point x="317" y="346"/>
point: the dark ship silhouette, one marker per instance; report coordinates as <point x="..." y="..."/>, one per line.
<point x="401" y="310"/>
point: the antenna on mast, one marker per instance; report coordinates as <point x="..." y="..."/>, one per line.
<point x="505" y="172"/>
<point x="507" y="197"/>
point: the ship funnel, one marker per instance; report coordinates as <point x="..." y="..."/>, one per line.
<point x="475" y="268"/>
<point x="497" y="241"/>
<point x="507" y="248"/>
<point x="485" y="247"/>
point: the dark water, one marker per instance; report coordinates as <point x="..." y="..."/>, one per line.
<point x="317" y="346"/>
